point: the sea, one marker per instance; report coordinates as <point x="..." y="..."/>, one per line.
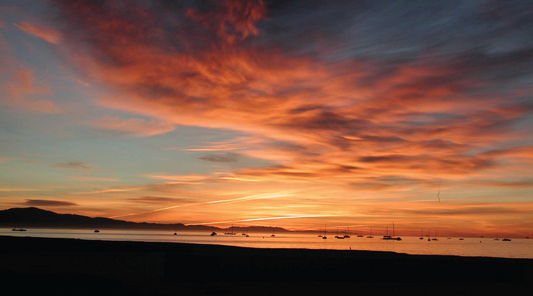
<point x="469" y="246"/>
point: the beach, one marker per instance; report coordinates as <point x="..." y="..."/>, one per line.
<point x="139" y="268"/>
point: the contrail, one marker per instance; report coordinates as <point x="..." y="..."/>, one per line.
<point x="267" y="218"/>
<point x="240" y="199"/>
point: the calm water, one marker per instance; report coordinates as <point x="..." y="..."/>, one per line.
<point x="486" y="247"/>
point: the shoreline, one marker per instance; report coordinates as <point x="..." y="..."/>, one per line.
<point x="147" y="268"/>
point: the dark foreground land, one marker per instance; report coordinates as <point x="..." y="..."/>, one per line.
<point x="41" y="266"/>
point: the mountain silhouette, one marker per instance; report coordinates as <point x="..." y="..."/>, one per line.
<point x="33" y="217"/>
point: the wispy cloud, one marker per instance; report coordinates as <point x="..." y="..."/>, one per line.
<point x="73" y="165"/>
<point x="227" y="157"/>
<point x="19" y="91"/>
<point x="112" y="190"/>
<point x="90" y="179"/>
<point x="42" y="32"/>
<point x="6" y="159"/>
<point x="132" y="126"/>
<point x="49" y="203"/>
<point x="19" y="189"/>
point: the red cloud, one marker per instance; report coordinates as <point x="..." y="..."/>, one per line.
<point x="346" y="125"/>
<point x="20" y="89"/>
<point x="44" y="33"/>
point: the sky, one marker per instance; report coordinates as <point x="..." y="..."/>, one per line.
<point x="295" y="114"/>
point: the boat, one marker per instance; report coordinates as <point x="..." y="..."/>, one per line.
<point x="497" y="238"/>
<point x="213" y="233"/>
<point x="370" y="236"/>
<point x="360" y="234"/>
<point x="393" y="237"/>
<point x="97" y="231"/>
<point x="435" y="238"/>
<point x="273" y="231"/>
<point x="325" y="231"/>
<point x="461" y="238"/>
<point x="421" y="234"/>
<point x="175" y="233"/>
<point x="229" y="231"/>
<point x="506" y="240"/>
<point x="339" y="236"/>
<point x="20" y="229"/>
<point x="346" y="235"/>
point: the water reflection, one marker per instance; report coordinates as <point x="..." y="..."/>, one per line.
<point x="517" y="248"/>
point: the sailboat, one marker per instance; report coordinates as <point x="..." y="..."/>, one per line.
<point x="496" y="239"/>
<point x="346" y="235"/>
<point x="370" y="236"/>
<point x="230" y="231"/>
<point x="273" y="231"/>
<point x="435" y="238"/>
<point x="325" y="231"/>
<point x="393" y="237"/>
<point x="506" y="240"/>
<point x="421" y="234"/>
<point x="339" y="236"/>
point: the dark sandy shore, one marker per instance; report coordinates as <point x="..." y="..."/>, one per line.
<point x="83" y="267"/>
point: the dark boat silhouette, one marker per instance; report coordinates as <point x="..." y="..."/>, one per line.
<point x="230" y="231"/>
<point x="20" y="229"/>
<point x="339" y="236"/>
<point x="497" y="238"/>
<point x="97" y="231"/>
<point x="506" y="240"/>
<point x="213" y="233"/>
<point x="393" y="237"/>
<point x="346" y="235"/>
<point x="370" y="236"/>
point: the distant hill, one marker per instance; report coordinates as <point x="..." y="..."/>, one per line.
<point x="37" y="218"/>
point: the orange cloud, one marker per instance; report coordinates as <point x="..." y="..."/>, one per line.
<point x="20" y="89"/>
<point x="42" y="32"/>
<point x="362" y="129"/>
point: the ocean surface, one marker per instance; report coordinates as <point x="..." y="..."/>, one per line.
<point x="470" y="246"/>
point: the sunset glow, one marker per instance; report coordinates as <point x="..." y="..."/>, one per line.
<point x="267" y="113"/>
